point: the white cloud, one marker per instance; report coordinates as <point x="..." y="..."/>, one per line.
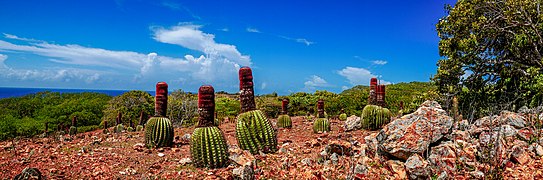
<point x="11" y="36"/>
<point x="358" y="76"/>
<point x="343" y="88"/>
<point x="191" y="37"/>
<point x="252" y="30"/>
<point x="72" y="62"/>
<point x="315" y="82"/>
<point x="379" y="62"/>
<point x="304" y="41"/>
<point x="224" y="29"/>
<point x="264" y="85"/>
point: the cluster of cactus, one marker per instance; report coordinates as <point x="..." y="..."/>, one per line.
<point x="321" y="124"/>
<point x="373" y="117"/>
<point x="254" y="132"/>
<point x="284" y="121"/>
<point x="159" y="130"/>
<point x="208" y="145"/>
<point x="73" y="128"/>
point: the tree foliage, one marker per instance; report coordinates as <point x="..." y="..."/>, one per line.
<point x="182" y="107"/>
<point x="130" y="105"/>
<point x="491" y="53"/>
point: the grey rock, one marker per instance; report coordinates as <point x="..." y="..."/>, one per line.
<point x="334" y="158"/>
<point x="185" y="161"/>
<point x="29" y="173"/>
<point x="539" y="150"/>
<point x="245" y="172"/>
<point x="417" y="167"/>
<point x="352" y="123"/>
<point x="306" y="162"/>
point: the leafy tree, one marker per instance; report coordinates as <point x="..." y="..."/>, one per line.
<point x="227" y="107"/>
<point x="491" y="53"/>
<point x="182" y="107"/>
<point x="130" y="105"/>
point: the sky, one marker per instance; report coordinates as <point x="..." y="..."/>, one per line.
<point x="292" y="46"/>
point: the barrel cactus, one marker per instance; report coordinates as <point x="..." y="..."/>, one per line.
<point x="129" y="129"/>
<point x="321" y="124"/>
<point x="159" y="129"/>
<point x="343" y="117"/>
<point x="119" y="128"/>
<point x="139" y="128"/>
<point x="208" y="146"/>
<point x="73" y="128"/>
<point x="373" y="117"/>
<point x="254" y="132"/>
<point x="284" y="121"/>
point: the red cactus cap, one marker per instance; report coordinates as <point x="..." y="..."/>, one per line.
<point x="206" y="97"/>
<point x="161" y="99"/>
<point x="382" y="88"/>
<point x="161" y="88"/>
<point x="245" y="74"/>
<point x="373" y="81"/>
<point x="320" y="104"/>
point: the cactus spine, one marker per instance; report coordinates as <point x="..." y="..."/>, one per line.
<point x="321" y="124"/>
<point x="208" y="146"/>
<point x="373" y="117"/>
<point x="254" y="131"/>
<point x="159" y="130"/>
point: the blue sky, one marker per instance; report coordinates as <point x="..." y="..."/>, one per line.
<point x="291" y="45"/>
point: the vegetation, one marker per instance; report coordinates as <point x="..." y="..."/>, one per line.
<point x="491" y="55"/>
<point x="284" y="121"/>
<point x="130" y="105"/>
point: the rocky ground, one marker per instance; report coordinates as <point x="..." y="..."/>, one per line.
<point x="426" y="144"/>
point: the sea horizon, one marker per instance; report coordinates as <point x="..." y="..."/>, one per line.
<point x="9" y="92"/>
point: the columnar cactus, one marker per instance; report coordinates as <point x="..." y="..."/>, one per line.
<point x="208" y="146"/>
<point x="254" y="131"/>
<point x="381" y="95"/>
<point x="105" y="131"/>
<point x="372" y="99"/>
<point x="119" y="119"/>
<point x="321" y="124"/>
<point x="73" y="128"/>
<point x="159" y="129"/>
<point x="373" y="117"/>
<point x="284" y="121"/>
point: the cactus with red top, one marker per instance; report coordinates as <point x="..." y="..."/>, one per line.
<point x="119" y="127"/>
<point x="321" y="124"/>
<point x="208" y="146"/>
<point x="284" y="121"/>
<point x="159" y="129"/>
<point x="73" y="128"/>
<point x="254" y="132"/>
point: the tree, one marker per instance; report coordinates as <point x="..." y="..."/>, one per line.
<point x="491" y="53"/>
<point x="130" y="104"/>
<point x="182" y="106"/>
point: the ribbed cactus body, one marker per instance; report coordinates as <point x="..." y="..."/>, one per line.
<point x="73" y="130"/>
<point x="129" y="129"/>
<point x="254" y="132"/>
<point x="321" y="125"/>
<point x="343" y="117"/>
<point x="159" y="132"/>
<point x="208" y="147"/>
<point x="373" y="117"/>
<point x="284" y="121"/>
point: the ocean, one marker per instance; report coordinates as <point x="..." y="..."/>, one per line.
<point x="7" y="92"/>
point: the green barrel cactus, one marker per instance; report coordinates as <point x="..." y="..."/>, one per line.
<point x="158" y="132"/>
<point x="343" y="117"/>
<point x="139" y="128"/>
<point x="119" y="128"/>
<point x="373" y="117"/>
<point x="254" y="132"/>
<point x="129" y="129"/>
<point x="208" y="146"/>
<point x="158" y="129"/>
<point x="73" y="130"/>
<point x="284" y="121"/>
<point x="321" y="125"/>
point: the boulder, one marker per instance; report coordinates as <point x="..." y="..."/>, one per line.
<point x="443" y="160"/>
<point x="352" y="123"/>
<point x="245" y="172"/>
<point x="519" y="155"/>
<point x="413" y="133"/>
<point x="417" y="167"/>
<point x="29" y="173"/>
<point x="398" y="168"/>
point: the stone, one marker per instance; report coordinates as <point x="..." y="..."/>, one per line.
<point x="360" y="170"/>
<point x="334" y="158"/>
<point x="417" y="167"/>
<point x="29" y="173"/>
<point x="240" y="156"/>
<point x="140" y="147"/>
<point x="506" y="130"/>
<point x="514" y="119"/>
<point x="306" y="162"/>
<point x="477" y="175"/>
<point x="413" y="133"/>
<point x="161" y="154"/>
<point x="539" y="150"/>
<point x="519" y="155"/>
<point x="398" y="168"/>
<point x="245" y="172"/>
<point x="186" y="138"/>
<point x="525" y="134"/>
<point x="352" y="123"/>
<point x="339" y="147"/>
<point x="185" y="161"/>
<point x="442" y="160"/>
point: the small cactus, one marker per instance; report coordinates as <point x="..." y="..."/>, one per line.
<point x="254" y="132"/>
<point x="119" y="128"/>
<point x="129" y="129"/>
<point x="321" y="125"/>
<point x="105" y="131"/>
<point x="373" y="117"/>
<point x="73" y="130"/>
<point x="343" y="117"/>
<point x="159" y="130"/>
<point x="284" y="121"/>
<point x="208" y="145"/>
<point x="139" y="128"/>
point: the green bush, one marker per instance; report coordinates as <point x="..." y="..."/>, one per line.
<point x="83" y="129"/>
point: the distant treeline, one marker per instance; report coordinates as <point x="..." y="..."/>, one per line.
<point x="27" y="115"/>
